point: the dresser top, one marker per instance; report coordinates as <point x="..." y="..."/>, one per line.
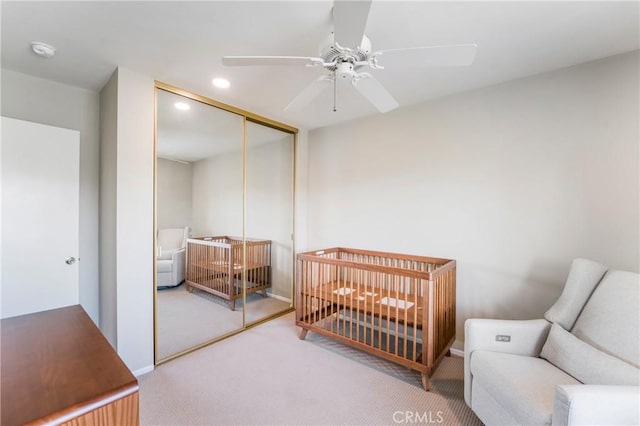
<point x="56" y="365"/>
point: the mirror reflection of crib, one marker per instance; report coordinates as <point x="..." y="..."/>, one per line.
<point x="214" y="265"/>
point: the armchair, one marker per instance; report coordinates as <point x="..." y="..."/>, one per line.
<point x="578" y="365"/>
<point x="171" y="257"/>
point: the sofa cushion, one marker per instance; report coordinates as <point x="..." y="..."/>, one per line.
<point x="525" y="386"/>
<point x="586" y="363"/>
<point x="488" y="409"/>
<point x="609" y="320"/>
<point x="163" y="266"/>
<point x="583" y="277"/>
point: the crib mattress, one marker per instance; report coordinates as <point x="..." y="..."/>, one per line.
<point x="406" y="308"/>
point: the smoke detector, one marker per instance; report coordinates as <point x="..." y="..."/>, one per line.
<point x="43" y="49"/>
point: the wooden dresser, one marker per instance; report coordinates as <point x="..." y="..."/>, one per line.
<point x="58" y="368"/>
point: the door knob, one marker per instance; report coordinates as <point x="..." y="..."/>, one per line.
<point x="70" y="260"/>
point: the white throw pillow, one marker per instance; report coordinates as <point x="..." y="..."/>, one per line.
<point x="584" y="276"/>
<point x="586" y="363"/>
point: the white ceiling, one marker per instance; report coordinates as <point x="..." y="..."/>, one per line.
<point x="182" y="43"/>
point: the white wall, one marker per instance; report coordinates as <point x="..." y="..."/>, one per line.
<point x="174" y="193"/>
<point x="270" y="207"/>
<point x="217" y="196"/>
<point x="108" y="198"/>
<point x="512" y="181"/>
<point x="302" y="183"/>
<point x="135" y="255"/>
<point x="132" y="206"/>
<point x="43" y="101"/>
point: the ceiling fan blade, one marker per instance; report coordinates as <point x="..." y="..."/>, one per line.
<point x="375" y="92"/>
<point x="433" y="56"/>
<point x="270" y="60"/>
<point x="309" y="93"/>
<point x="349" y="20"/>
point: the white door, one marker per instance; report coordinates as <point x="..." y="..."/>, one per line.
<point x="39" y="217"/>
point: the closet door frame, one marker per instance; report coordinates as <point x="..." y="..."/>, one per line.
<point x="247" y="117"/>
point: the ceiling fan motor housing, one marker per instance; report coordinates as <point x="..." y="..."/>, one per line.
<point x="345" y="58"/>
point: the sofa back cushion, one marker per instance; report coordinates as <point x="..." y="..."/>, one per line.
<point x="586" y="363"/>
<point x="584" y="276"/>
<point x="609" y="320"/>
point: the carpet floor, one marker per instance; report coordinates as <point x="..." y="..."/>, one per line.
<point x="188" y="319"/>
<point x="267" y="376"/>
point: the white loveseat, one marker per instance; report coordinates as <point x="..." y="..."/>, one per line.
<point x="579" y="365"/>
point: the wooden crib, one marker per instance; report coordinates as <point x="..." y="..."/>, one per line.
<point x="399" y="307"/>
<point x="214" y="265"/>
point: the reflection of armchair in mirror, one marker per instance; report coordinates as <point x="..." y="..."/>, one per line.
<point x="171" y="256"/>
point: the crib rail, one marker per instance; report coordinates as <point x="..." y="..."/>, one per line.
<point x="217" y="265"/>
<point x="210" y="261"/>
<point x="399" y="307"/>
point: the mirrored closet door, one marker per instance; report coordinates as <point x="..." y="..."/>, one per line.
<point x="268" y="221"/>
<point x="224" y="220"/>
<point x="199" y="204"/>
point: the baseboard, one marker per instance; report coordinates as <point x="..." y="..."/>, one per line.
<point x="281" y="298"/>
<point x="144" y="370"/>
<point x="457" y="352"/>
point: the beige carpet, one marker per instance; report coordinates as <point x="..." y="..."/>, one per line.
<point x="188" y="319"/>
<point x="267" y="376"/>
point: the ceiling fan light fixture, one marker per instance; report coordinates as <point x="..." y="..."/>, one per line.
<point x="221" y="83"/>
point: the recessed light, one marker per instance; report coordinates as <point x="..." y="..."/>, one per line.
<point x="43" y="49"/>
<point x="182" y="106"/>
<point x="222" y="83"/>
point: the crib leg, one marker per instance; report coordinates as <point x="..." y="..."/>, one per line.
<point x="232" y="304"/>
<point x="264" y="292"/>
<point x="425" y="381"/>
<point x="303" y="333"/>
<point x="189" y="289"/>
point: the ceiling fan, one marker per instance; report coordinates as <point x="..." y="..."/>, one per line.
<point x="347" y="53"/>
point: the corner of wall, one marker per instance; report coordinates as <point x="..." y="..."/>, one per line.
<point x="134" y="188"/>
<point x="107" y="208"/>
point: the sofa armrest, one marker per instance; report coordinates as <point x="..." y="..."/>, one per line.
<point x="179" y="254"/>
<point x="178" y="258"/>
<point x="596" y="405"/>
<point x="524" y="338"/>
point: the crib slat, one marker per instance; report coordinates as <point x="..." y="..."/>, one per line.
<point x="397" y="288"/>
<point x="414" y="332"/>
<point x="361" y="291"/>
